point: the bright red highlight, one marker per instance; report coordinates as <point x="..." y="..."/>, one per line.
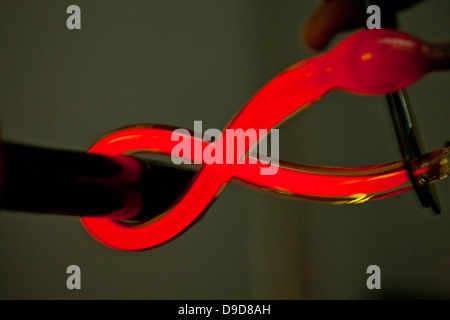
<point x="368" y="62"/>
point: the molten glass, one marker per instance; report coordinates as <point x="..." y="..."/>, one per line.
<point x="367" y="62"/>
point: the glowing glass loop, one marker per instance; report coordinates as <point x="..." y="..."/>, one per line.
<point x="367" y="62"/>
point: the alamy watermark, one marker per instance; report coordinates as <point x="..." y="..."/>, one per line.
<point x="237" y="147"/>
<point x="74" y="280"/>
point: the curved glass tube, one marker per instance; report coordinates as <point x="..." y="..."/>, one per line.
<point x="367" y="62"/>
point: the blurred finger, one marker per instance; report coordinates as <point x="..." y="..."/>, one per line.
<point x="334" y="16"/>
<point x="330" y="18"/>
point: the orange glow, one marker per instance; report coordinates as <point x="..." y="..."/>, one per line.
<point x="366" y="56"/>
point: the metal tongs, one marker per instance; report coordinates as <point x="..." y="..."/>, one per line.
<point x="406" y="129"/>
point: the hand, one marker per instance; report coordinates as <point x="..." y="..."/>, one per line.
<point x="334" y="16"/>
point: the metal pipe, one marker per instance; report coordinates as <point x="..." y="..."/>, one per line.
<point x="35" y="179"/>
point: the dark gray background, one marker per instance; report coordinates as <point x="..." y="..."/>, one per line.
<point x="173" y="62"/>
